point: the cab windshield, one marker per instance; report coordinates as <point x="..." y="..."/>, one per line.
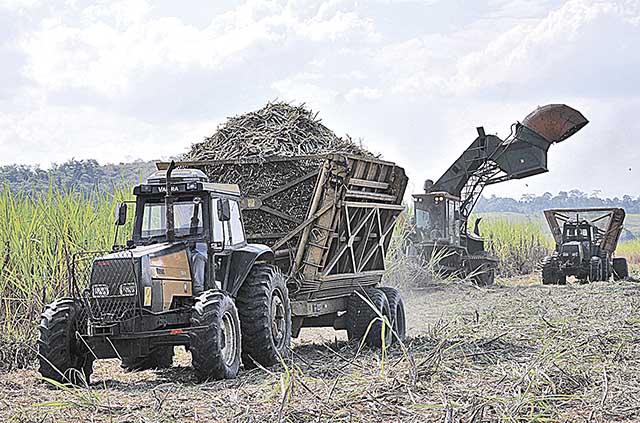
<point x="187" y="216"/>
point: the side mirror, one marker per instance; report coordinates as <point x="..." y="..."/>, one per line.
<point x="224" y="210"/>
<point x="121" y="214"/>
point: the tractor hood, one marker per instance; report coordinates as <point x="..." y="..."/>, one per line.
<point x="555" y="122"/>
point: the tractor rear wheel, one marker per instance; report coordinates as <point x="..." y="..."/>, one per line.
<point x="160" y="358"/>
<point x="61" y="357"/>
<point x="363" y="320"/>
<point x="215" y="349"/>
<point x="620" y="269"/>
<point x="606" y="265"/>
<point x="549" y="271"/>
<point x="396" y="307"/>
<point x="265" y="316"/>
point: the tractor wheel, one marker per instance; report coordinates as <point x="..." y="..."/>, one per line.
<point x="396" y="307"/>
<point x="215" y="349"/>
<point x="60" y="356"/>
<point x="620" y="269"/>
<point x="486" y="277"/>
<point x="595" y="269"/>
<point x="549" y="271"/>
<point x="265" y="316"/>
<point x="606" y="265"/>
<point x="160" y="358"/>
<point x="360" y="316"/>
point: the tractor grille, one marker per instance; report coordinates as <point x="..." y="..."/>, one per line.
<point x="109" y="285"/>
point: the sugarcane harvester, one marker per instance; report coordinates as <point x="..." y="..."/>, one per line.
<point x="441" y="232"/>
<point x="586" y="241"/>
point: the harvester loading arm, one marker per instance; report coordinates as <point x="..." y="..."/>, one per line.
<point x="490" y="160"/>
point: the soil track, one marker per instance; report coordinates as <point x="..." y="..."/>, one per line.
<point x="517" y="353"/>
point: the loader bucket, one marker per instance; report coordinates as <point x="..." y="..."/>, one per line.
<point x="555" y="122"/>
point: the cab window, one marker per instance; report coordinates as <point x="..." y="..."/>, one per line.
<point x="216" y="225"/>
<point x="237" y="231"/>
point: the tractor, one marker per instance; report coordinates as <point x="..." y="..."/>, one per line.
<point x="187" y="277"/>
<point x="586" y="240"/>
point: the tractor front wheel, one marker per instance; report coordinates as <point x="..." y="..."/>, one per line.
<point x="215" y="349"/>
<point x="61" y="358"/>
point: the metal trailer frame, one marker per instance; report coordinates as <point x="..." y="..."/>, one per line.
<point x="341" y="244"/>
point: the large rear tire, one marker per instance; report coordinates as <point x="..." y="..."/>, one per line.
<point x="396" y="308"/>
<point x="363" y="321"/>
<point x="620" y="269"/>
<point x="159" y="358"/>
<point x="549" y="271"/>
<point x="215" y="349"/>
<point x="595" y="269"/>
<point x="265" y="316"/>
<point x="61" y="357"/>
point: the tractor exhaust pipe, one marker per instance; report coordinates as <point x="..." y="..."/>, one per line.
<point x="168" y="204"/>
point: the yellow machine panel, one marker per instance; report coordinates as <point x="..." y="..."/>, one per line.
<point x="173" y="271"/>
<point x="174" y="288"/>
<point x="171" y="266"/>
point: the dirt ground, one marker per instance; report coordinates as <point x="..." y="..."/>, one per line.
<point x="512" y="352"/>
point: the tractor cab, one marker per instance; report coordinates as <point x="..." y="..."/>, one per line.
<point x="206" y="222"/>
<point x="576" y="248"/>
<point x="437" y="218"/>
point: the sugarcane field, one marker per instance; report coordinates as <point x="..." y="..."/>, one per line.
<point x="319" y="211"/>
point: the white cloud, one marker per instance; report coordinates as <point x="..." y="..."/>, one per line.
<point x="413" y="78"/>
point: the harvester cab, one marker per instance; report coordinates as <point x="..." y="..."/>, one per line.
<point x="586" y="240"/>
<point x="443" y="210"/>
<point x="176" y="283"/>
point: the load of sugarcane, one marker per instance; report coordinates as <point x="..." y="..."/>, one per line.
<point x="247" y="145"/>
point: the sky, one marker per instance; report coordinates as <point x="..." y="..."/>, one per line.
<point x="124" y="80"/>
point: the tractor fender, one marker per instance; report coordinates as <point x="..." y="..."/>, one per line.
<point x="242" y="260"/>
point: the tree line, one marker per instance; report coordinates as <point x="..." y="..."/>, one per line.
<point x="88" y="175"/>
<point x="82" y="176"/>
<point x="531" y="203"/>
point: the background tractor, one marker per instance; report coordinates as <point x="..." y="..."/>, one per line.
<point x="586" y="240"/>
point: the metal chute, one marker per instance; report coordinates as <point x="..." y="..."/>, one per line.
<point x="555" y="122"/>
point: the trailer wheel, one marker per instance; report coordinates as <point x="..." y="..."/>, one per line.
<point x="265" y="316"/>
<point x="60" y="357"/>
<point x="620" y="269"/>
<point x="360" y="316"/>
<point x="160" y="358"/>
<point x="595" y="269"/>
<point x="396" y="307"/>
<point x="215" y="350"/>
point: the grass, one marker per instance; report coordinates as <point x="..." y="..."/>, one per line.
<point x="518" y="354"/>
<point x="520" y="244"/>
<point x="38" y="237"/>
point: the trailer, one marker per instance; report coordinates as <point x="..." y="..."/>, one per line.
<point x="329" y="221"/>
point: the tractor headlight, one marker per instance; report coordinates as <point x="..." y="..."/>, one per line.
<point x="128" y="289"/>
<point x="565" y="254"/>
<point x="575" y="254"/>
<point x="100" y="290"/>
